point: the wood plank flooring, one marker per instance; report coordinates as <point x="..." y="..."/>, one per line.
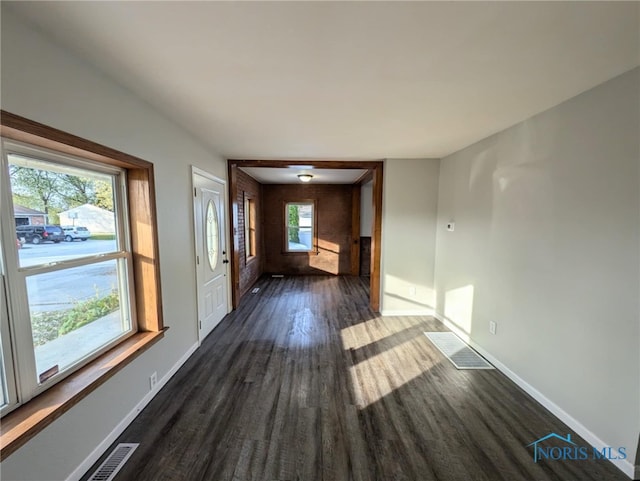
<point x="304" y="382"/>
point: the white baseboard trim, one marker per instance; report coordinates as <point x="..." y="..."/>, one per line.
<point x="128" y="419"/>
<point x="622" y="464"/>
<point x="407" y="312"/>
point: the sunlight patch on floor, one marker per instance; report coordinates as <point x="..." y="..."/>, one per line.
<point x="368" y="332"/>
<point x="378" y="376"/>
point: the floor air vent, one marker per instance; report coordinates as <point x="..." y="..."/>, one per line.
<point x="114" y="462"/>
<point x="454" y="348"/>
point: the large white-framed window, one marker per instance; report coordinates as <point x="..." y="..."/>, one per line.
<point x="67" y="302"/>
<point x="53" y="151"/>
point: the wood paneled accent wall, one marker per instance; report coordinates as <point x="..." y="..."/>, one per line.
<point x="334" y="224"/>
<point x="249" y="270"/>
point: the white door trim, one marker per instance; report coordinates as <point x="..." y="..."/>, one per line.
<point x="203" y="173"/>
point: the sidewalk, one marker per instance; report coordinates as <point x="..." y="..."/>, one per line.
<point x="78" y="343"/>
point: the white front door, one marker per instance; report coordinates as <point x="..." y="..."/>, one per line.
<point x="211" y="252"/>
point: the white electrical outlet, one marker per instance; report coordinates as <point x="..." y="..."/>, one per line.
<point x="153" y="380"/>
<point x="493" y="327"/>
<point x="451" y="226"/>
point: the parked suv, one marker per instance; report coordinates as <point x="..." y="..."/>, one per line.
<point x="72" y="233"/>
<point x="40" y="233"/>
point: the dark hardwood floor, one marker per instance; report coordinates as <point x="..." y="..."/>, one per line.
<point x="304" y="382"/>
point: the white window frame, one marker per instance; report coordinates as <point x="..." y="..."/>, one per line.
<point x="314" y="240"/>
<point x="18" y="351"/>
<point x="7" y="376"/>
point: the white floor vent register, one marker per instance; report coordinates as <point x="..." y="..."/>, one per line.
<point x="114" y="462"/>
<point x="457" y="351"/>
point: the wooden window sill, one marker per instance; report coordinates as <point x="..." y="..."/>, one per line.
<point x="26" y="421"/>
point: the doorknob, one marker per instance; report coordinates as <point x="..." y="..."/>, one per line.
<point x="225" y="261"/>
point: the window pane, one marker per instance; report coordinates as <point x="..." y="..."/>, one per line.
<point x="211" y="234"/>
<point x="61" y="212"/>
<point x="74" y="312"/>
<point x="249" y="227"/>
<point x="300" y="226"/>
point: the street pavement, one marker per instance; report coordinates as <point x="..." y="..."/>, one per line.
<point x="62" y="288"/>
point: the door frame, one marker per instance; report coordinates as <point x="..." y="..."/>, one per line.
<point x="374" y="173"/>
<point x="225" y="195"/>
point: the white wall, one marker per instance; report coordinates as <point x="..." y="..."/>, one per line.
<point x="46" y="84"/>
<point x="366" y="209"/>
<point x="547" y="244"/>
<point x="409" y="212"/>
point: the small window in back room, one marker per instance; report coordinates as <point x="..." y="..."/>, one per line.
<point x="249" y="227"/>
<point x="300" y="226"/>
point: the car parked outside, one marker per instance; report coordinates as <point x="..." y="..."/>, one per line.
<point x="40" y="233"/>
<point x="72" y="233"/>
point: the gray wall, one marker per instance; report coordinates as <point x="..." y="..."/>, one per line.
<point x="366" y="209"/>
<point x="547" y="244"/>
<point x="409" y="212"/>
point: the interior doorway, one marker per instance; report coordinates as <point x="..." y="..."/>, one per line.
<point x="371" y="173"/>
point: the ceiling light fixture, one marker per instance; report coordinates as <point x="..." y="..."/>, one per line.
<point x="305" y="177"/>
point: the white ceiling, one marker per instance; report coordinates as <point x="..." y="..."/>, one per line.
<point x="276" y="175"/>
<point x="347" y="80"/>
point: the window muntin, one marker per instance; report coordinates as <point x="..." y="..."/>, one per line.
<point x="76" y="297"/>
<point x="300" y="226"/>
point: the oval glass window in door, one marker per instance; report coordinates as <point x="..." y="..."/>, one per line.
<point x="211" y="234"/>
